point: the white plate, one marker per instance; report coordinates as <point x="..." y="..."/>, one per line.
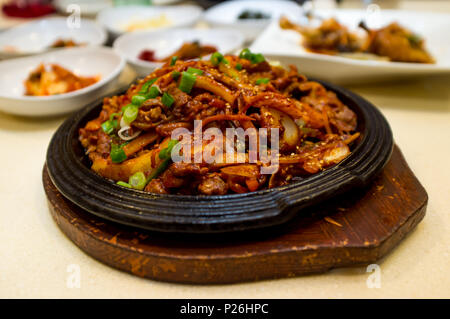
<point x="89" y="61"/>
<point x="116" y="19"/>
<point x="87" y="7"/>
<point x="284" y="45"/>
<point x="36" y="37"/>
<point x="166" y="42"/>
<point x="226" y="14"/>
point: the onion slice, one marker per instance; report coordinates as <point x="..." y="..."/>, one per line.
<point x="126" y="137"/>
<point x="291" y="133"/>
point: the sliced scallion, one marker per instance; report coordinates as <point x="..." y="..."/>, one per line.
<point x="117" y="154"/>
<point x="138" y="180"/>
<point x="245" y="54"/>
<point x="146" y="85"/>
<point x="153" y="92"/>
<point x="167" y="99"/>
<point x="123" y="184"/>
<point x="252" y="57"/>
<point x="175" y="75"/>
<point x="138" y="99"/>
<point x="194" y="71"/>
<point x="216" y="58"/>
<point x="109" y="126"/>
<point x="157" y="171"/>
<point x="130" y="113"/>
<point x="262" y="81"/>
<point x="187" y="82"/>
<point x="166" y="153"/>
<point x="257" y="58"/>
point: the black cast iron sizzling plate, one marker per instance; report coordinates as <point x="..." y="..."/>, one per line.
<point x="69" y="171"/>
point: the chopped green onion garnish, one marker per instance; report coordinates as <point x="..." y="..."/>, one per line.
<point x="153" y="92"/>
<point x="238" y="66"/>
<point x="187" y="82"/>
<point x="262" y="81"/>
<point x="166" y="153"/>
<point x="216" y="58"/>
<point x="245" y="54"/>
<point x="146" y="85"/>
<point x="157" y="171"/>
<point x="252" y="57"/>
<point x="123" y="184"/>
<point x="117" y="154"/>
<point x="138" y="99"/>
<point x="138" y="180"/>
<point x="167" y="99"/>
<point x="175" y="75"/>
<point x="257" y="58"/>
<point x="194" y="71"/>
<point x="173" y="60"/>
<point x="112" y="116"/>
<point x="109" y="126"/>
<point x="125" y="107"/>
<point x="130" y="113"/>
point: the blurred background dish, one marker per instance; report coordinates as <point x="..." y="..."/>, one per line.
<point x="88" y="7"/>
<point x="87" y="62"/>
<point x="123" y="19"/>
<point x="285" y="46"/>
<point x="165" y="43"/>
<point x="44" y="34"/>
<point x="250" y="16"/>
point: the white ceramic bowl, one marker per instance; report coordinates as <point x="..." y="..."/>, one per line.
<point x="89" y="61"/>
<point x="166" y="42"/>
<point x="226" y="14"/>
<point x="36" y="37"/>
<point x="116" y="19"/>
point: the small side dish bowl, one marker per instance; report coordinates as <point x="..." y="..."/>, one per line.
<point x="69" y="170"/>
<point x="117" y="20"/>
<point x="165" y="43"/>
<point x="38" y="36"/>
<point x="226" y="15"/>
<point x="89" y="61"/>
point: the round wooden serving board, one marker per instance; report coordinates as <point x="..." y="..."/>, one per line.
<point x="355" y="229"/>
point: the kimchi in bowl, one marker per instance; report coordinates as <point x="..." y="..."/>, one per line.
<point x="102" y="63"/>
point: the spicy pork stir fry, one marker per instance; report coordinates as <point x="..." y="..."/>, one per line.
<point x="130" y="141"/>
<point x="392" y="42"/>
<point x="54" y="79"/>
<point x="188" y="51"/>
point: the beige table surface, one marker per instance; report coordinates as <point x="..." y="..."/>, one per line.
<point x="35" y="255"/>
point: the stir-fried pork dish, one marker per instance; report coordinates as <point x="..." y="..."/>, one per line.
<point x="131" y="141"/>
